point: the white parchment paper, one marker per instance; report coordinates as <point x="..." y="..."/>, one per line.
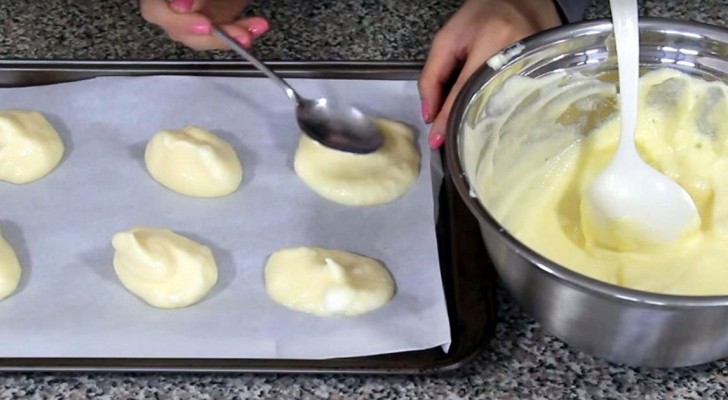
<point x="70" y="303"/>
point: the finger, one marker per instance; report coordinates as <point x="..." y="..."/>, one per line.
<point x="475" y="59"/>
<point x="159" y="13"/>
<point x="499" y="34"/>
<point x="156" y="11"/>
<point x="187" y="6"/>
<point x="255" y="25"/>
<point x="195" y="5"/>
<point x="440" y="63"/>
<point x="194" y="30"/>
<point x="209" y="42"/>
<point x="244" y="31"/>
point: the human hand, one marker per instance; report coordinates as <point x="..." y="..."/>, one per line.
<point x="479" y="29"/>
<point x="190" y="21"/>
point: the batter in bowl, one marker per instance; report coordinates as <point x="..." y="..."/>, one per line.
<point x="541" y="142"/>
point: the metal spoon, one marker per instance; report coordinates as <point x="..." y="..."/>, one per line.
<point x="630" y="193"/>
<point x="340" y="128"/>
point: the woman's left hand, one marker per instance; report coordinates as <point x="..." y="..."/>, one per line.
<point x="479" y="29"/>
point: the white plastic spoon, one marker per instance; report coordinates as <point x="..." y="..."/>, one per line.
<point x="630" y="204"/>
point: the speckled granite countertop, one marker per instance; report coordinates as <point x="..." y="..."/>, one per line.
<point x="522" y="361"/>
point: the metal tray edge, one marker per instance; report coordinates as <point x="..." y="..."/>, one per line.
<point x="40" y="72"/>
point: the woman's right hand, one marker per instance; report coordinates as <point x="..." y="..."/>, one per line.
<point x="190" y="21"/>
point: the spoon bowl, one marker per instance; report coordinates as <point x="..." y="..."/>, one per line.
<point x="346" y="129"/>
<point x="630" y="204"/>
<point x="341" y="128"/>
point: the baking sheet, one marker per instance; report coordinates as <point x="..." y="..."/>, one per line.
<point x="70" y="303"/>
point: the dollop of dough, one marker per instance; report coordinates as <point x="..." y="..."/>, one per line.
<point x="165" y="269"/>
<point x="327" y="282"/>
<point x="30" y="147"/>
<point x="361" y="179"/>
<point x="9" y="269"/>
<point x="194" y="162"/>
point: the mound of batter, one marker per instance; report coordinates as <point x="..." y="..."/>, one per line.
<point x="9" y="269"/>
<point x="194" y="162"/>
<point x="30" y="147"/>
<point x="361" y="179"/>
<point x="165" y="269"/>
<point x="327" y="282"/>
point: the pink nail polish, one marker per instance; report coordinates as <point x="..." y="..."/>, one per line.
<point x="436" y="140"/>
<point x="425" y="108"/>
<point x="201" y="28"/>
<point x="244" y="40"/>
<point x="259" y="27"/>
<point x="182" y="5"/>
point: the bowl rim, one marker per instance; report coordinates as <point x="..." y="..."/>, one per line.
<point x="479" y="79"/>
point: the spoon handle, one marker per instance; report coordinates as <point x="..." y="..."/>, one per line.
<point x="234" y="45"/>
<point x="626" y="35"/>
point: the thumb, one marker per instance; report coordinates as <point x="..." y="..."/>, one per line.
<point x="187" y="6"/>
<point x="197" y="5"/>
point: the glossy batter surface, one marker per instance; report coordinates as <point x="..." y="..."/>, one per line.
<point x="30" y="147"/>
<point x="163" y="268"/>
<point x="543" y="141"/>
<point x="194" y="162"/>
<point x="327" y="282"/>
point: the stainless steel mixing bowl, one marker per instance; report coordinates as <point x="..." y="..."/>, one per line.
<point x="619" y="324"/>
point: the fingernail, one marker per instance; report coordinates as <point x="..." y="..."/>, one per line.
<point x="425" y="111"/>
<point x="244" y="40"/>
<point x="182" y="5"/>
<point x="259" y="27"/>
<point x="201" y="28"/>
<point x="436" y="140"/>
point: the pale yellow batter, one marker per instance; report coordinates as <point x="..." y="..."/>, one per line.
<point x="543" y="142"/>
<point x="30" y="147"/>
<point x="163" y="268"/>
<point x="9" y="269"/>
<point x="327" y="282"/>
<point x="194" y="162"/>
<point x="361" y="179"/>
